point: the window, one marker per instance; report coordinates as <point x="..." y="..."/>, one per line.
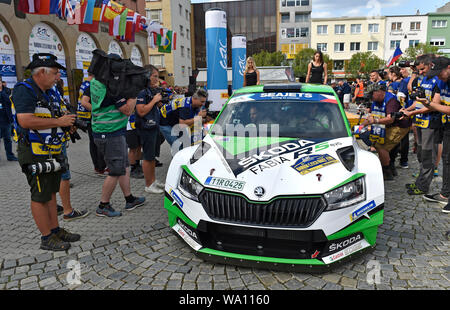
<point x="374" y="28"/>
<point x="395" y="44"/>
<point x="415" y="26"/>
<point x="322" y="47"/>
<point x="339" y="29"/>
<point x="355" y="46"/>
<point x="396" y="26"/>
<point x="437" y="42"/>
<point x="155" y="15"/>
<point x="290" y="32"/>
<point x="339" y="47"/>
<point x="290" y="2"/>
<point x="182" y="50"/>
<point x="183" y="70"/>
<point x="338" y="65"/>
<point x="322" y="29"/>
<point x="413" y="43"/>
<point x="187" y="14"/>
<point x="157" y="60"/>
<point x="305" y="2"/>
<point x="285" y="17"/>
<point x="181" y="31"/>
<point x="188" y="52"/>
<point x="372" y="46"/>
<point x="355" y="28"/>
<point x="439" y="24"/>
<point x="301" y="18"/>
<point x="187" y="34"/>
<point x="180" y="7"/>
<point x="304" y="32"/>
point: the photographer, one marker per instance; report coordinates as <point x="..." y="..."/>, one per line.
<point x="38" y="122"/>
<point x="386" y="128"/>
<point x="441" y="68"/>
<point x="109" y="121"/>
<point x="84" y="113"/>
<point x="147" y="123"/>
<point x="427" y="124"/>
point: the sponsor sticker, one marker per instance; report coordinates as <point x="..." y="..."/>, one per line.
<point x="176" y="198"/>
<point x="364" y="209"/>
<point x="225" y="183"/>
<point x="188" y="239"/>
<point x="346" y="252"/>
<point x="311" y="163"/>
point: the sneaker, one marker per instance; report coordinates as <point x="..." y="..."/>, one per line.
<point x="158" y="163"/>
<point x="13" y="158"/>
<point x="102" y="173"/>
<point x="136" y="174"/>
<point x="76" y="214"/>
<point x="138" y="201"/>
<point x="410" y="186"/>
<point x="446" y="208"/>
<point x="415" y="191"/>
<point x="59" y="210"/>
<point x="404" y="165"/>
<point x="107" y="211"/>
<point x="436" y="198"/>
<point x="153" y="189"/>
<point x="66" y="236"/>
<point x="53" y="243"/>
<point x="160" y="184"/>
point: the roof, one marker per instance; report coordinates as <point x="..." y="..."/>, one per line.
<point x="312" y="88"/>
<point x="266" y="74"/>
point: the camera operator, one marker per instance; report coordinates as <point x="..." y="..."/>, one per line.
<point x="441" y="68"/>
<point x="109" y="122"/>
<point x="386" y="128"/>
<point x="427" y="123"/>
<point x="39" y="120"/>
<point x="84" y="113"/>
<point x="147" y="124"/>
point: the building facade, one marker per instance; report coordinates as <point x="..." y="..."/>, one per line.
<point x="255" y="19"/>
<point x="22" y="35"/>
<point x="294" y="26"/>
<point x="340" y="38"/>
<point x="175" y="67"/>
<point x="439" y="31"/>
<point x="404" y="32"/>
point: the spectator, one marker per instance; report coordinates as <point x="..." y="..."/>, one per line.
<point x="30" y="97"/>
<point x="359" y="92"/>
<point x="251" y="74"/>
<point x="346" y="93"/>
<point x="147" y="122"/>
<point x="135" y="148"/>
<point x="109" y="122"/>
<point x="6" y="121"/>
<point x="317" y="70"/>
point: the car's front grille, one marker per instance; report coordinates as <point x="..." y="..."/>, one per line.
<point x="282" y="212"/>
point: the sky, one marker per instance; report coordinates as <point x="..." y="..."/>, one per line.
<point x="340" y="8"/>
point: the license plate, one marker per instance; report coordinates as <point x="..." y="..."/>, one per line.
<point x="225" y="183"/>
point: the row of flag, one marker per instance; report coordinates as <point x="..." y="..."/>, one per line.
<point x="163" y="39"/>
<point x="87" y="14"/>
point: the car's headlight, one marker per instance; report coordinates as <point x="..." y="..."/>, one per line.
<point x="189" y="187"/>
<point x="346" y="195"/>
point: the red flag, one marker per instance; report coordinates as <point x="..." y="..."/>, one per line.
<point x="129" y="30"/>
<point x="89" y="27"/>
<point x="44" y="7"/>
<point x="174" y="41"/>
<point x="29" y="6"/>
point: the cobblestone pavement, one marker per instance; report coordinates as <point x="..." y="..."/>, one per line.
<point x="139" y="250"/>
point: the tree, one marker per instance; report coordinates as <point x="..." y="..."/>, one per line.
<point x="363" y="63"/>
<point x="422" y="48"/>
<point x="303" y="58"/>
<point x="266" y="59"/>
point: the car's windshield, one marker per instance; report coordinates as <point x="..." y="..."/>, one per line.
<point x="285" y="118"/>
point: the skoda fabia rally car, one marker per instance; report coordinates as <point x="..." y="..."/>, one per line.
<point x="278" y="181"/>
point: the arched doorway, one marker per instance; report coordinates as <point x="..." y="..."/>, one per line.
<point x="7" y="58"/>
<point x="136" y="56"/>
<point x="115" y="48"/>
<point x="83" y="51"/>
<point x="43" y="39"/>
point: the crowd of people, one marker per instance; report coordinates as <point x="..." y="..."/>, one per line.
<point x="125" y="134"/>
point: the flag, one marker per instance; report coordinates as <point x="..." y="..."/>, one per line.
<point x="89" y="27"/>
<point x="44" y="8"/>
<point x="130" y="26"/>
<point x="123" y="22"/>
<point x="114" y="26"/>
<point x="88" y="11"/>
<point x="174" y="41"/>
<point x="397" y="53"/>
<point x="54" y="6"/>
<point x="112" y="9"/>
<point x="97" y="10"/>
<point x="66" y="8"/>
<point x="28" y="6"/>
<point x="165" y="41"/>
<point x="76" y="19"/>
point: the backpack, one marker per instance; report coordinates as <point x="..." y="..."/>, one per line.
<point x="121" y="77"/>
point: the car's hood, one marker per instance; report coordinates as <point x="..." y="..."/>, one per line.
<point x="280" y="166"/>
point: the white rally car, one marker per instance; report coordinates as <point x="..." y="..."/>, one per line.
<point x="279" y="181"/>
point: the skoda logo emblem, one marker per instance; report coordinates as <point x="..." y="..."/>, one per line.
<point x="259" y="191"/>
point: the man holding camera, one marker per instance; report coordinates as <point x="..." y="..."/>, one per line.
<point x="386" y="128"/>
<point x="427" y="124"/>
<point x="38" y="122"/>
<point x="441" y="103"/>
<point x="147" y="124"/>
<point x="109" y="122"/>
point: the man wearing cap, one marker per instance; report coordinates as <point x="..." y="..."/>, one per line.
<point x="109" y="123"/>
<point x="386" y="131"/>
<point x="441" y="103"/>
<point x="38" y="122"/>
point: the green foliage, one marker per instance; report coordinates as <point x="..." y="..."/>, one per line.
<point x="422" y="48"/>
<point x="362" y="63"/>
<point x="266" y="59"/>
<point x="304" y="57"/>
